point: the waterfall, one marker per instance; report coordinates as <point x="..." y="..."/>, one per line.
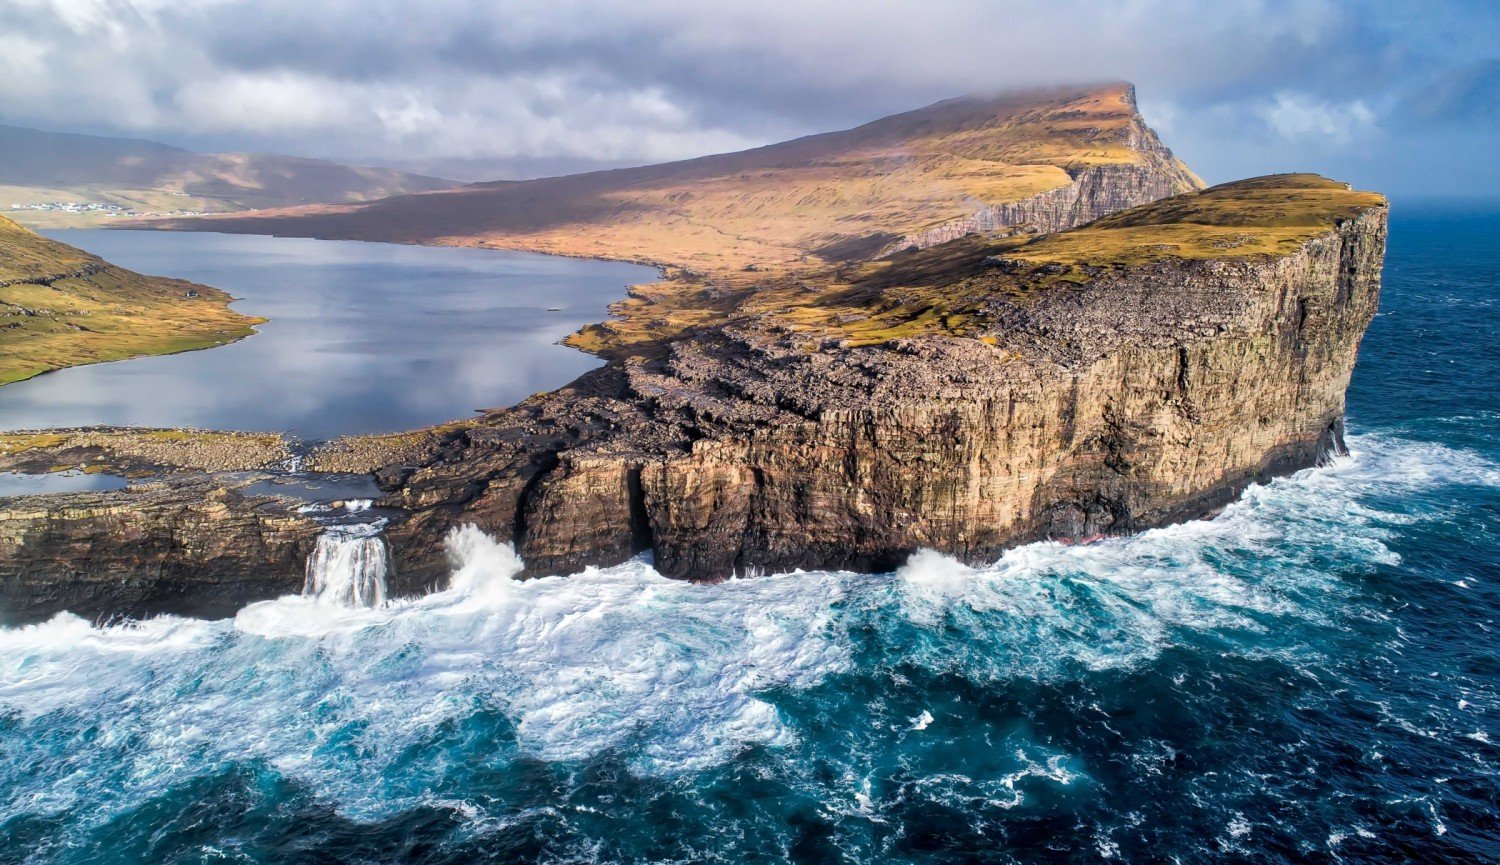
<point x="348" y="567"/>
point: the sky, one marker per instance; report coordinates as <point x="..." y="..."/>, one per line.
<point x="1403" y="97"/>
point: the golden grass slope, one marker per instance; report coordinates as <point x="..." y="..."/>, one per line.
<point x="772" y="208"/>
<point x="945" y="289"/>
<point x="61" y="307"/>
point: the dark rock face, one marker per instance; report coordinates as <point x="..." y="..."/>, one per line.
<point x="190" y="548"/>
<point x="1109" y="407"/>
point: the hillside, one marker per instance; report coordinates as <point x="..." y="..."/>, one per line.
<point x="1043" y="160"/>
<point x="60" y="307"/>
<point x="145" y="177"/>
<point x="949" y="289"/>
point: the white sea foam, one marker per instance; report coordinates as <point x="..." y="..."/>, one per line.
<point x="1120" y="601"/>
<point x="667" y="672"/>
<point x="671" y="676"/>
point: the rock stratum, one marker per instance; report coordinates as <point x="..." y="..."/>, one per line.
<point x="904" y="390"/>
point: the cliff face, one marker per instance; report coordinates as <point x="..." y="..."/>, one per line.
<point x="1147" y="394"/>
<point x="189" y="547"/>
<point x="1093" y="192"/>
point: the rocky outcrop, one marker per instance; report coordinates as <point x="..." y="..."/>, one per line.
<point x="1095" y="191"/>
<point x="1146" y="397"/>
<point x="189" y="547"/>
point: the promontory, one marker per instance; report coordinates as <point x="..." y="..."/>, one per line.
<point x="988" y="322"/>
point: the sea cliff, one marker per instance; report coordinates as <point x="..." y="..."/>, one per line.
<point x="1075" y="400"/>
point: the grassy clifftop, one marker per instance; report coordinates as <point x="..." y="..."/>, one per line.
<point x="1260" y="216"/>
<point x="61" y="307"/>
<point x="947" y="288"/>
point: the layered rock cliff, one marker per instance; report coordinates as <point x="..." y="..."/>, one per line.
<point x="1044" y="396"/>
<point x="1094" y="191"/>
<point x="966" y="397"/>
<point x="190" y="547"/>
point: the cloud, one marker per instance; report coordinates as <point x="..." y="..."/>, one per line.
<point x="491" y="87"/>
<point x="1297" y="117"/>
<point x="1470" y="93"/>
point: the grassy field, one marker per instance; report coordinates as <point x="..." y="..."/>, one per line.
<point x="61" y="307"/>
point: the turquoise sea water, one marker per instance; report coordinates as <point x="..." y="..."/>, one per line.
<point x="1313" y="676"/>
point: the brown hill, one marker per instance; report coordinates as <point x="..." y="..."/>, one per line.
<point x="1046" y="160"/>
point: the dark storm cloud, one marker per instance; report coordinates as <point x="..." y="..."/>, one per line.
<point x="486" y="88"/>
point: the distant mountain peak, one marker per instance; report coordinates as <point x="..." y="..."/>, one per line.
<point x="136" y="175"/>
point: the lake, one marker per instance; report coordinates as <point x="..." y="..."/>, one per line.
<point x="362" y="338"/>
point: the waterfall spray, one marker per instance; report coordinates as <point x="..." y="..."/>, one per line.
<point x="348" y="567"/>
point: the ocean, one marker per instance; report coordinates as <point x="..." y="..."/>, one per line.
<point x="1312" y="676"/>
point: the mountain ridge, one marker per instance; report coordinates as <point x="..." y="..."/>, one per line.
<point x="775" y="207"/>
<point x="135" y="175"/>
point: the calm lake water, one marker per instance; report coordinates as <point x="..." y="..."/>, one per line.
<point x="363" y="337"/>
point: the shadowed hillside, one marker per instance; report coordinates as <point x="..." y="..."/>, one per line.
<point x="1041" y="160"/>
